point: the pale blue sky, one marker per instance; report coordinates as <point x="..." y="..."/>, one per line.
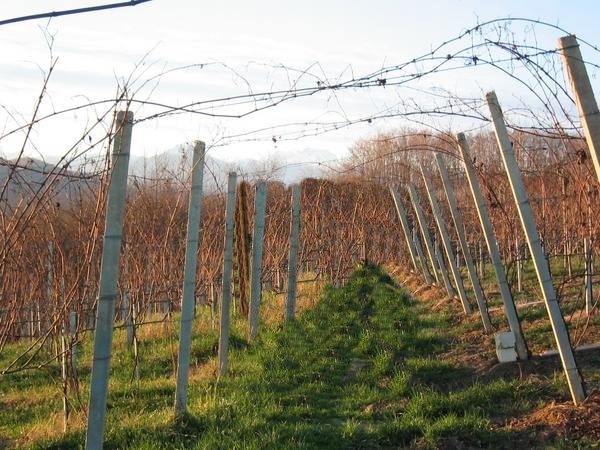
<point x="338" y="38"/>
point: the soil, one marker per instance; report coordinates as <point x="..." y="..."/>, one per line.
<point x="564" y="419"/>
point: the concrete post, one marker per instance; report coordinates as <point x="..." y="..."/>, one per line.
<point x="537" y="253"/>
<point x="109" y="274"/>
<point x="493" y="251"/>
<point x="443" y="270"/>
<point x="584" y="95"/>
<point x="419" y="248"/>
<point x="260" y="207"/>
<point x="414" y="198"/>
<point x="227" y="272"/>
<point x="464" y="246"/>
<point x="189" y="279"/>
<point x="404" y="224"/>
<point x="437" y="215"/>
<point x="290" y="304"/>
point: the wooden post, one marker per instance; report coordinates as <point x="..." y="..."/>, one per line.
<point x="242" y="248"/>
<point x="464" y="246"/>
<point x="584" y="95"/>
<point x="111" y="253"/>
<point x="437" y="215"/>
<point x="540" y="263"/>
<point x="290" y="305"/>
<point x="260" y="207"/>
<point x="189" y="279"/>
<point x="227" y="272"/>
<point x="494" y="252"/>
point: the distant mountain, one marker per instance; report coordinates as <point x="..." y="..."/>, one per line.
<point x="33" y="175"/>
<point x="287" y="167"/>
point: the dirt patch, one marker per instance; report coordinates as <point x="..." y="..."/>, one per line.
<point x="375" y="407"/>
<point x="564" y="419"/>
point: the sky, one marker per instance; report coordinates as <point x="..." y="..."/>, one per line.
<point x="174" y="52"/>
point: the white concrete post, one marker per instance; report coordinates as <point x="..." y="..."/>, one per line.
<point x="443" y="269"/>
<point x="493" y="251"/>
<point x="227" y="272"/>
<point x="260" y="208"/>
<point x="404" y="224"/>
<point x="290" y="304"/>
<point x="109" y="275"/>
<point x="464" y="246"/>
<point x="437" y="215"/>
<point x="189" y="279"/>
<point x="584" y="95"/>
<point x="537" y="253"/>
<point x="414" y="198"/>
<point x="419" y="248"/>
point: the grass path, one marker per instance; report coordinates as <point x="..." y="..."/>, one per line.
<point x="360" y="370"/>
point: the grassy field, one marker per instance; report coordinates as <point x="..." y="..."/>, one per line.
<point x="361" y="368"/>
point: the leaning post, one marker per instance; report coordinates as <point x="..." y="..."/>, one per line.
<point x="189" y="279"/>
<point x="404" y="223"/>
<point x="437" y="214"/>
<point x="109" y="274"/>
<point x="414" y="198"/>
<point x="464" y="246"/>
<point x="419" y="248"/>
<point x="584" y="95"/>
<point x="492" y="245"/>
<point x="537" y="254"/>
<point x="443" y="269"/>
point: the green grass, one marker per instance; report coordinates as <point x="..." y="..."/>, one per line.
<point x="362" y="369"/>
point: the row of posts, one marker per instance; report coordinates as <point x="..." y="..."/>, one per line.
<point x="539" y="260"/>
<point x="109" y="275"/>
<point x="588" y="110"/>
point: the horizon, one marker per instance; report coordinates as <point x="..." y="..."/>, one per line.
<point x="262" y="54"/>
